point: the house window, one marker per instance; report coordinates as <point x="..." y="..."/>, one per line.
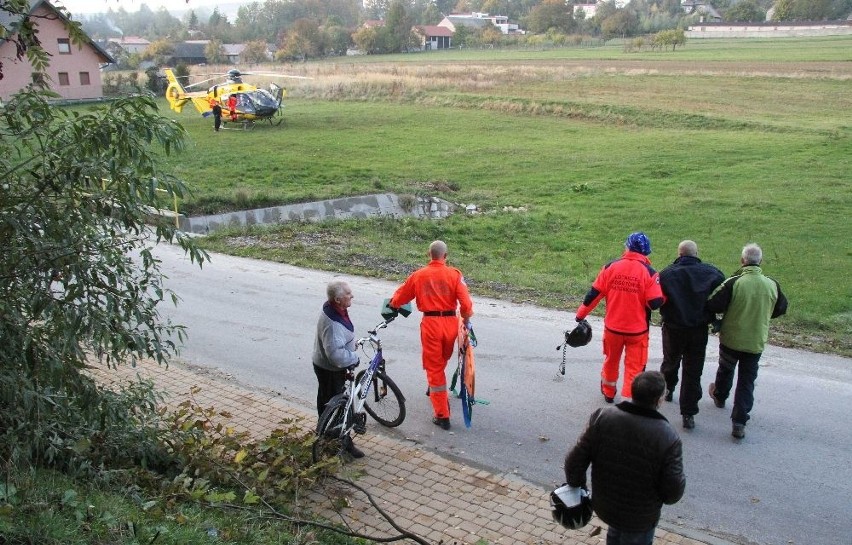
<point x="38" y="79"/>
<point x="84" y="78"/>
<point x="64" y="45"/>
<point x="64" y="80"/>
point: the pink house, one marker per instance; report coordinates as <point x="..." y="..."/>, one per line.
<point x="74" y="72"/>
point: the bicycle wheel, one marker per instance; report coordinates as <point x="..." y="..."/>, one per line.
<point x="467" y="404"/>
<point x="328" y="443"/>
<point x="385" y="403"/>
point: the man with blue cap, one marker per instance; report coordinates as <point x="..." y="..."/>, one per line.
<point x="632" y="290"/>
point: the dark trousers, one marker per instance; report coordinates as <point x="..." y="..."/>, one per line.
<point x="687" y="345"/>
<point x="614" y="536"/>
<point x="747" y="375"/>
<point x="331" y="383"/>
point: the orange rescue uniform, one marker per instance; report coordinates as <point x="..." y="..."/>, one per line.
<point x="439" y="290"/>
<point x="632" y="290"/>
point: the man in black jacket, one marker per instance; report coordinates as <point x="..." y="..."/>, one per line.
<point x="636" y="459"/>
<point x="686" y="284"/>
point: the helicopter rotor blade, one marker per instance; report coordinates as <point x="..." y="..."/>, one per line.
<point x="271" y="75"/>
<point x="202" y="82"/>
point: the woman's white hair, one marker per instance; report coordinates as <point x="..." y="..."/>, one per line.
<point x="335" y="289"/>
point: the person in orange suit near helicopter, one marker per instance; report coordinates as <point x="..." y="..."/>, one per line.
<point x="232" y="106"/>
<point x="440" y="291"/>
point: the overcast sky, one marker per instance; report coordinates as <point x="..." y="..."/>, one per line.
<point x="101" y="6"/>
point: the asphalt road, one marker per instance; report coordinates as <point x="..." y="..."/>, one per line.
<point x="788" y="482"/>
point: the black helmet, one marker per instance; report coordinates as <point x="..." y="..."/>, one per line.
<point x="571" y="506"/>
<point x="580" y="335"/>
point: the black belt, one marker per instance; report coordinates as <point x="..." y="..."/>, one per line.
<point x="439" y="313"/>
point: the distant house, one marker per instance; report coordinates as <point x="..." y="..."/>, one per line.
<point x="478" y="20"/>
<point x="74" y="72"/>
<point x="707" y="13"/>
<point x="189" y="53"/>
<point x="232" y="52"/>
<point x="433" y="37"/>
<point x="589" y="9"/>
<point x="134" y="45"/>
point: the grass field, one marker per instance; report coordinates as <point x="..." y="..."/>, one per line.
<point x="566" y="152"/>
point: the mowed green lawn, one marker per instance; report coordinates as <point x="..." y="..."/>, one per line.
<point x="564" y="162"/>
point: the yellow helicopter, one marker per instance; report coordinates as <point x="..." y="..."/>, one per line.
<point x="241" y="102"/>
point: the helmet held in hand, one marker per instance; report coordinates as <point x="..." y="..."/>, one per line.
<point x="580" y="335"/>
<point x="571" y="506"/>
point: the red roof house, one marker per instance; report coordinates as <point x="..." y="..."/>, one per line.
<point x="434" y="37"/>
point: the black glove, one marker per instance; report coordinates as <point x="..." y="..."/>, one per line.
<point x="389" y="313"/>
<point x="715" y="326"/>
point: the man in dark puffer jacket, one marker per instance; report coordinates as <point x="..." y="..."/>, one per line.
<point x="636" y="459"/>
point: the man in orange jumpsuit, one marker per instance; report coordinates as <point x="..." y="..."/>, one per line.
<point x="439" y="290"/>
<point x="632" y="290"/>
<point x="232" y="107"/>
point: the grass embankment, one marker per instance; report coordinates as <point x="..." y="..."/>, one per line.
<point x="721" y="142"/>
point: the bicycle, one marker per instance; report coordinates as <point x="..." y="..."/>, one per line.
<point x="371" y="392"/>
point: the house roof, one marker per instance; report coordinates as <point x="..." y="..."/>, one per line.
<point x="469" y="21"/>
<point x="190" y="50"/>
<point x="11" y="22"/>
<point x="130" y="40"/>
<point x="434" y="30"/>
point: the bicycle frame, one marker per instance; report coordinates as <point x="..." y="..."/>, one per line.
<point x="357" y="391"/>
<point x="361" y="389"/>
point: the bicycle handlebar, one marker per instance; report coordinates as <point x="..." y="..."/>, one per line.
<point x="373" y="332"/>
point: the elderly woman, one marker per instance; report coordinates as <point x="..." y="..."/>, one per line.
<point x="334" y="349"/>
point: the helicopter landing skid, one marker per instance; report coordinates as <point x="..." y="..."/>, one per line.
<point x="244" y="125"/>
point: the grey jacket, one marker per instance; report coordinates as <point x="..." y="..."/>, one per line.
<point x="334" y="347"/>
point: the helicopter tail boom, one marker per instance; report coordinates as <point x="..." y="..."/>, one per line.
<point x="175" y="93"/>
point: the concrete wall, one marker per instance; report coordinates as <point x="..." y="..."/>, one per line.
<point x="767" y="30"/>
<point x="385" y="204"/>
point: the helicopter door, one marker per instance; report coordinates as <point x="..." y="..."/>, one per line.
<point x="278" y="92"/>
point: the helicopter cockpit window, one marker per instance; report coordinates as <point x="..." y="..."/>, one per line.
<point x="265" y="99"/>
<point x="245" y="104"/>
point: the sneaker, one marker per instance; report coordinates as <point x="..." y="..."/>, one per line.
<point x="719" y="403"/>
<point x="738" y="430"/>
<point x="688" y="422"/>
<point x="350" y="448"/>
<point x="443" y="423"/>
<point x="669" y="395"/>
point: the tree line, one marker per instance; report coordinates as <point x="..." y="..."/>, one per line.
<point x="301" y="29"/>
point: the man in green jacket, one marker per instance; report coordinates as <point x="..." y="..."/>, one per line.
<point x="747" y="300"/>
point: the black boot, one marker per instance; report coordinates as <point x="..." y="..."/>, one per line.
<point x="350" y="448"/>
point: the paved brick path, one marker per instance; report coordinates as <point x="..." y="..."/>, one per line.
<point x="440" y="500"/>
